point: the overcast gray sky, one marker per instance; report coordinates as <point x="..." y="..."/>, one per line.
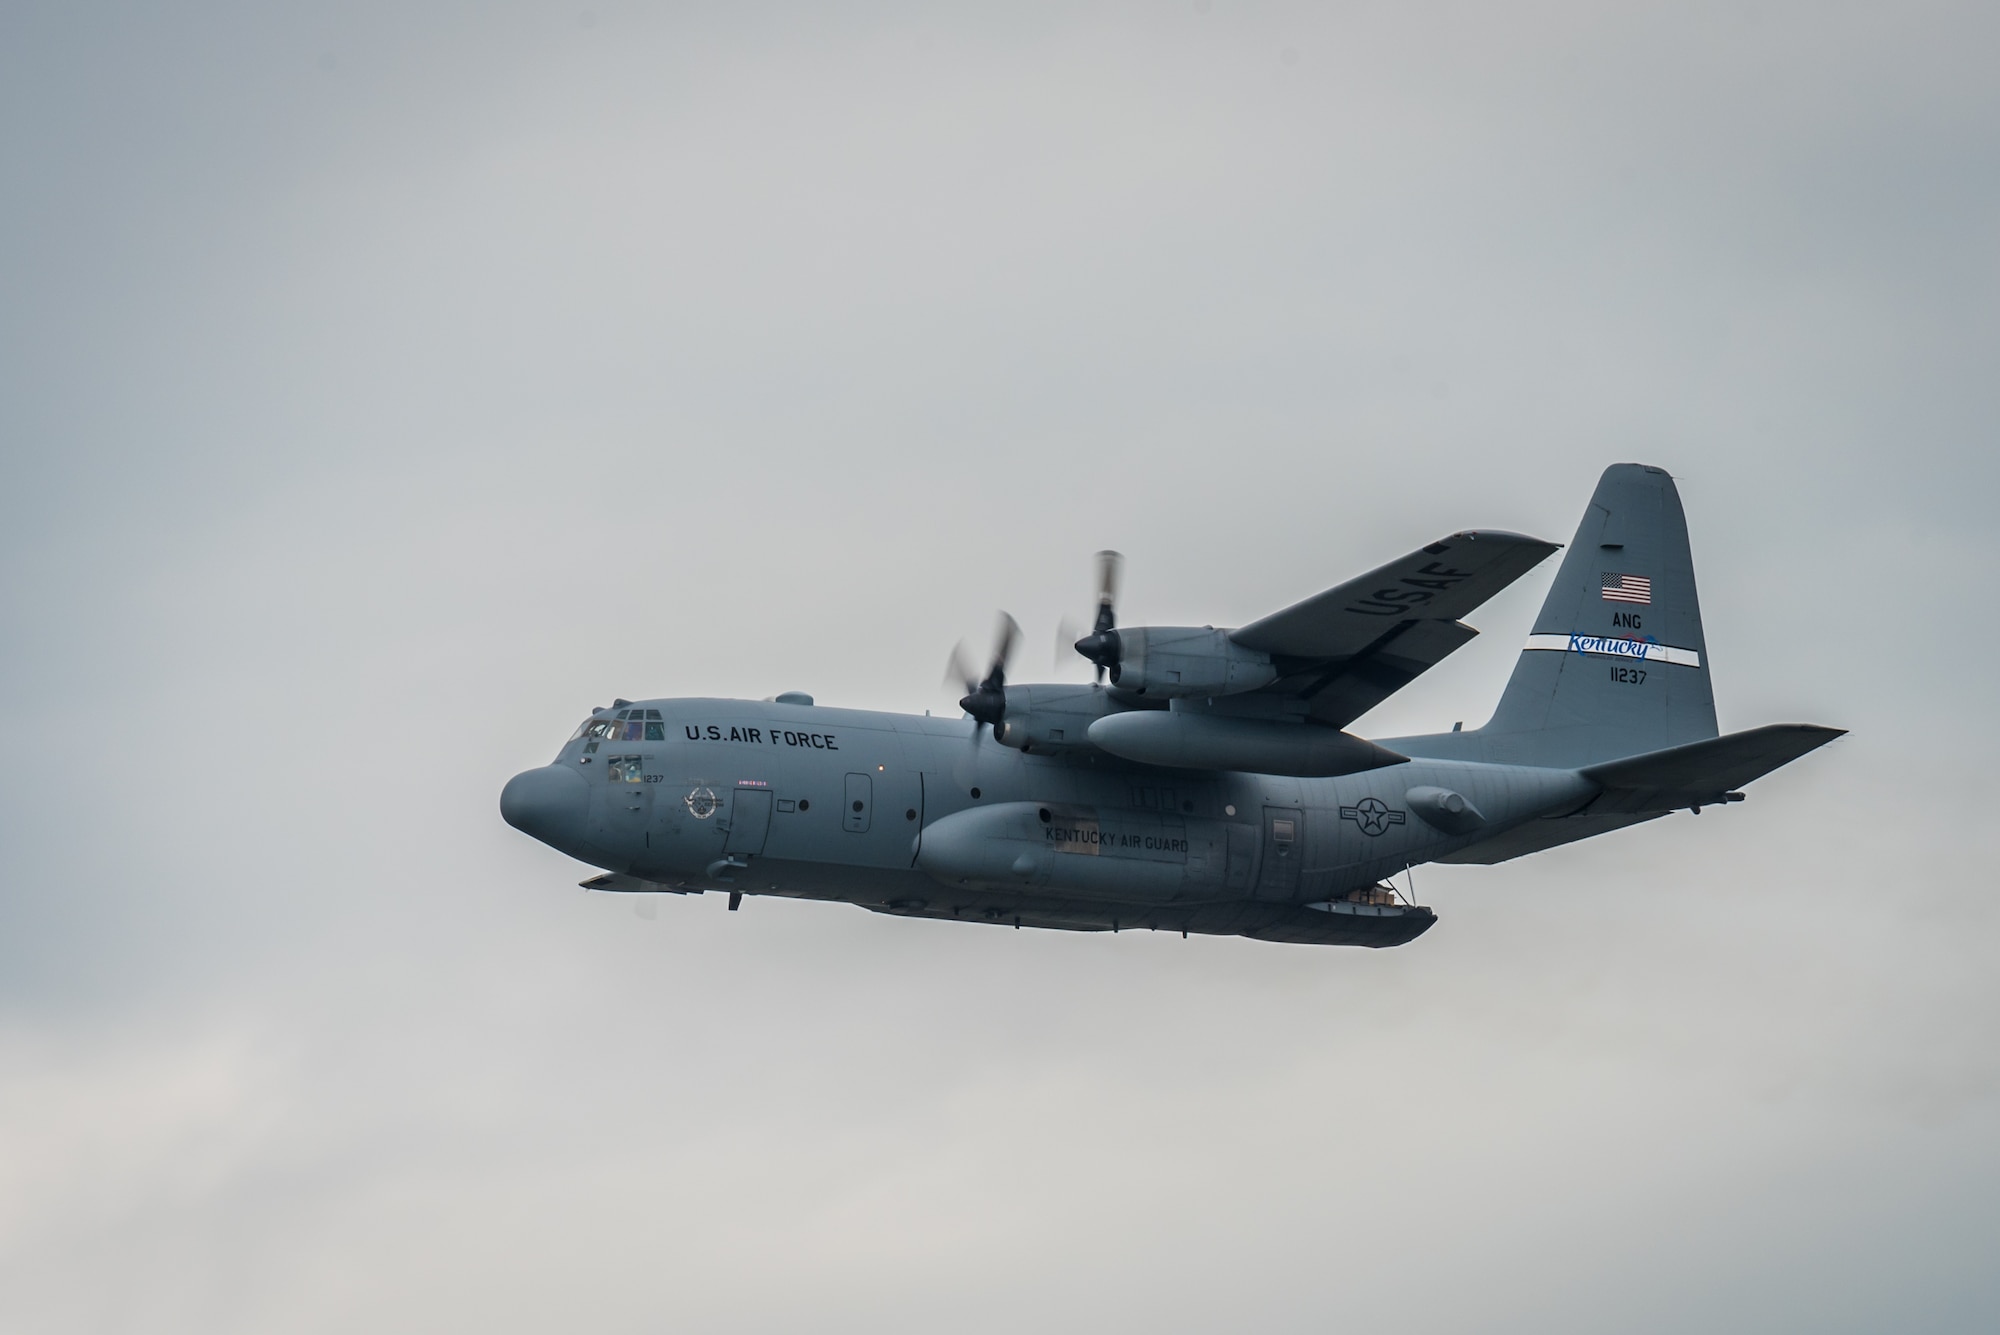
<point x="381" y="388"/>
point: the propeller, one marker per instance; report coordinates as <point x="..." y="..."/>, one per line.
<point x="1101" y="645"/>
<point x="986" y="697"/>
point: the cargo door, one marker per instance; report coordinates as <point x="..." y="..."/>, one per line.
<point x="1284" y="850"/>
<point x="860" y="803"/>
<point x="749" y="821"/>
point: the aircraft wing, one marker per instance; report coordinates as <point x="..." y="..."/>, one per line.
<point x="1351" y="647"/>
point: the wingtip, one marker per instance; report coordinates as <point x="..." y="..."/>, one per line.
<point x="1500" y="537"/>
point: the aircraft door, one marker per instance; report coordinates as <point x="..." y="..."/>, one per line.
<point x="860" y="802"/>
<point x="1284" y="850"/>
<point x="749" y="821"/>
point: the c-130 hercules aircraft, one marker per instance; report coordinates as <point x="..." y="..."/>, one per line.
<point x="1210" y="785"/>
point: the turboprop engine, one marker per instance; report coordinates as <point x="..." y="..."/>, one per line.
<point x="1045" y="719"/>
<point x="1167" y="662"/>
<point x="1184" y="661"/>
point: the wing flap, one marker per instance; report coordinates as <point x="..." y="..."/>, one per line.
<point x="1350" y="689"/>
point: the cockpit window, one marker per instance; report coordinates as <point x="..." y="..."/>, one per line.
<point x="627" y="725"/>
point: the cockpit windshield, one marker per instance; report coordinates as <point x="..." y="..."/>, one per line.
<point x="627" y="725"/>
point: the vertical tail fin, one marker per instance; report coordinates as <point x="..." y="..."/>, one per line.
<point x="1617" y="664"/>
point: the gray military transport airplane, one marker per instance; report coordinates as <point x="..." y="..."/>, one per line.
<point x="1210" y="785"/>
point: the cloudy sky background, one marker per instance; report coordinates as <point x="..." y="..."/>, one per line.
<point x="381" y="389"/>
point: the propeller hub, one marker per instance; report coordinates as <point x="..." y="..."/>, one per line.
<point x="986" y="705"/>
<point x="985" y="698"/>
<point x="1101" y="647"/>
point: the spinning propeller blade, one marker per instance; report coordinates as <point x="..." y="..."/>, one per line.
<point x="958" y="671"/>
<point x="986" y="698"/>
<point x="1101" y="645"/>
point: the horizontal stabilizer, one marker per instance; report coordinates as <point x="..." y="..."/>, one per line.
<point x="1700" y="773"/>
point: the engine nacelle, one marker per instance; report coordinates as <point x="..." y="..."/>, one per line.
<point x="1044" y="719"/>
<point x="1184" y="661"/>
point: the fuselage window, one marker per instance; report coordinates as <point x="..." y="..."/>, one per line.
<point x="624" y="769"/>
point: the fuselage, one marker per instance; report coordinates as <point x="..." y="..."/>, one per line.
<point x="922" y="816"/>
<point x="1161" y="799"/>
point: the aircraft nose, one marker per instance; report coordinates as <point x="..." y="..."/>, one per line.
<point x="548" y="803"/>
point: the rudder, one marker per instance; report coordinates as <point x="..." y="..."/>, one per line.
<point x="1617" y="664"/>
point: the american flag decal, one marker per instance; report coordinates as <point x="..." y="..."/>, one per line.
<point x="1627" y="588"/>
